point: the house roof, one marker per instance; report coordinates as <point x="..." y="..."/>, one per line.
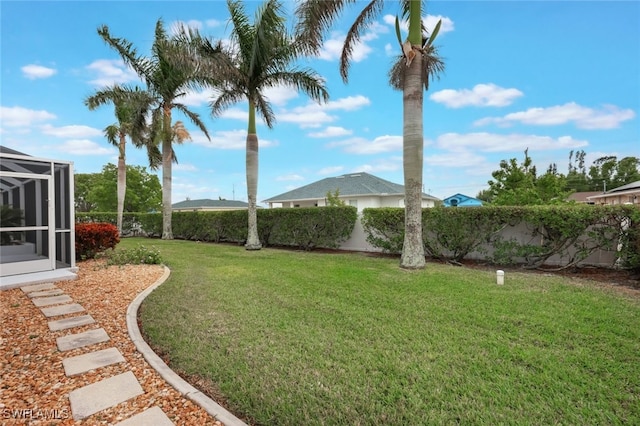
<point x="627" y="187"/>
<point x="351" y="184"/>
<point x="462" y="200"/>
<point x="195" y="204"/>
<point x="630" y="188"/>
<point x="582" y="197"/>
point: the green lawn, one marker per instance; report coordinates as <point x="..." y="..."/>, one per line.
<point x="307" y="338"/>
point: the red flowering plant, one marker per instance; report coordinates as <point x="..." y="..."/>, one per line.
<point x="94" y="238"/>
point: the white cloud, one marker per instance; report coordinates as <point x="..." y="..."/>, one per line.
<point x="280" y="95"/>
<point x="331" y="132"/>
<point x="350" y="103"/>
<point x="74" y="131"/>
<point x="228" y="139"/>
<point x="185" y="167"/>
<point x="176" y="26"/>
<point x="389" y="50"/>
<point x="481" y="95"/>
<point x="332" y="48"/>
<point x="428" y="21"/>
<point x="461" y="158"/>
<point x="110" y="72"/>
<point x="360" y="145"/>
<point x="33" y="72"/>
<point x="288" y="178"/>
<point x="212" y="23"/>
<point x="22" y="117"/>
<point x="492" y="142"/>
<point x="83" y="147"/>
<point x="391" y="164"/>
<point x="330" y="170"/>
<point x="236" y="114"/>
<point x="306" y="117"/>
<point x="195" y="99"/>
<point x="608" y="117"/>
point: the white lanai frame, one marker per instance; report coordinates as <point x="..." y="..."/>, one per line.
<point x="37" y="227"/>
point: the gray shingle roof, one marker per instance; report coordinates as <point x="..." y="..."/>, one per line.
<point x="632" y="185"/>
<point x="194" y="204"/>
<point x="350" y="184"/>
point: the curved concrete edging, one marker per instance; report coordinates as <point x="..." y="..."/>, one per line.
<point x="208" y="404"/>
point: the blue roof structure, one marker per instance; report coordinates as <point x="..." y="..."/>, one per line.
<point x="461" y="200"/>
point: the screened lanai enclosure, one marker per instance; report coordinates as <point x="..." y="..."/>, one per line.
<point x="37" y="237"/>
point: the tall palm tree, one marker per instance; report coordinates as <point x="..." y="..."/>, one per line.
<point x="263" y="55"/>
<point x="127" y="102"/>
<point x="316" y="16"/>
<point x="169" y="72"/>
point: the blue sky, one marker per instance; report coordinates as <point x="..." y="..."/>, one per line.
<point x="547" y="76"/>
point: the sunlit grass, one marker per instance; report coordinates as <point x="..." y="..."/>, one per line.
<point x="303" y="338"/>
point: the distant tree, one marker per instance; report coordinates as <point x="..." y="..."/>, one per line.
<point x="607" y="172"/>
<point x="83" y="183"/>
<point x="485" y="195"/>
<point x="551" y="186"/>
<point x="98" y="190"/>
<point x="577" y="179"/>
<point x="514" y="184"/>
<point x="333" y="199"/>
<point x="127" y="104"/>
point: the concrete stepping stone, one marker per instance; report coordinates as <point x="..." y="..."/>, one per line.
<point x="38" y="287"/>
<point x="55" y="311"/>
<point x="90" y="361"/>
<point x="101" y="395"/>
<point x="79" y="340"/>
<point x="66" y="323"/>
<point x="154" y="416"/>
<point x="44" y="293"/>
<point x="53" y="300"/>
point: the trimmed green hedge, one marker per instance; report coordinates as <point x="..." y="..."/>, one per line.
<point x="304" y="228"/>
<point x="570" y="233"/>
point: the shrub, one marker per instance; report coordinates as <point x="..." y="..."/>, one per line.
<point x="94" y="238"/>
<point x="141" y="255"/>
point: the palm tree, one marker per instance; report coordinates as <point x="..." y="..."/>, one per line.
<point x="262" y="56"/>
<point x="316" y="16"/>
<point x="127" y="103"/>
<point x="168" y="73"/>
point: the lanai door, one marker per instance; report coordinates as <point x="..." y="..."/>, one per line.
<point x="27" y="231"/>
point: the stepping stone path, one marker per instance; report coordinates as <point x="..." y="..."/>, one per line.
<point x="93" y="398"/>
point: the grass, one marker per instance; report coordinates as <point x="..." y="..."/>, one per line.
<point x="296" y="338"/>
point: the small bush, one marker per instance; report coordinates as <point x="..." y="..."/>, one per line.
<point x="94" y="238"/>
<point x="141" y="255"/>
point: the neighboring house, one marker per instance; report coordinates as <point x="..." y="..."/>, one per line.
<point x="461" y="200"/>
<point x="625" y="194"/>
<point x="37" y="220"/>
<point x="208" y="205"/>
<point x="360" y="190"/>
<point x="583" y="197"/>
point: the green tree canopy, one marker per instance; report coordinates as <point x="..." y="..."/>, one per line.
<point x="98" y="191"/>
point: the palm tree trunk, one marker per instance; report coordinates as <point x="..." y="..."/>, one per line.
<point x="253" y="241"/>
<point x="167" y="160"/>
<point x="122" y="180"/>
<point x="413" y="150"/>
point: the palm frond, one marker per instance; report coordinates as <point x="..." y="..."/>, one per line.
<point x="111" y="132"/>
<point x="193" y="117"/>
<point x="355" y="33"/>
<point x="432" y="67"/>
<point x="314" y="19"/>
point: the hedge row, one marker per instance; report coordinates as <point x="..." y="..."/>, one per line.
<point x="304" y="228"/>
<point x="571" y="233"/>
